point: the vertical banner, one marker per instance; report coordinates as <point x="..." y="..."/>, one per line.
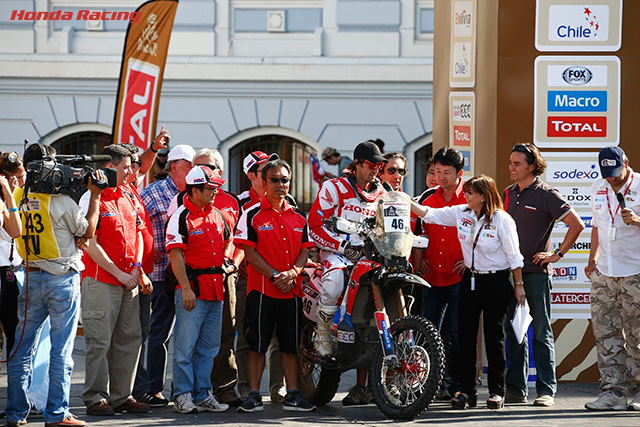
<point x="145" y="52"/>
<point x="462" y="118"/>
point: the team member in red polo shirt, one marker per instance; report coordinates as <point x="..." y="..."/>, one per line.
<point x="252" y="166"/>
<point x="444" y="264"/>
<point x="273" y="301"/>
<point x="110" y="304"/>
<point x="197" y="239"/>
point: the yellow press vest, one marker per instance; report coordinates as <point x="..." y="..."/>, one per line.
<point x="36" y="220"/>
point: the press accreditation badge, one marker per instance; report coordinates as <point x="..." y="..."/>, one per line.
<point x="396" y="216"/>
<point x="612" y="233"/>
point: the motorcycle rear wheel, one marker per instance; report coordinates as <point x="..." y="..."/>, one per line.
<point x="407" y="392"/>
<point x="319" y="385"/>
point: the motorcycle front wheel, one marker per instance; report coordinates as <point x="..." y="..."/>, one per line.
<point x="319" y="385"/>
<point x="406" y="392"/>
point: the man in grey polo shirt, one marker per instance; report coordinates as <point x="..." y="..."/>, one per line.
<point x="535" y="206"/>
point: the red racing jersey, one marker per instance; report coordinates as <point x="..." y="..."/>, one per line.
<point x="278" y="237"/>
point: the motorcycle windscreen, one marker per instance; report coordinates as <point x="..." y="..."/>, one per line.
<point x="392" y="235"/>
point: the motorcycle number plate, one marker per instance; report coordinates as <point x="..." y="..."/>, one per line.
<point x="396" y="216"/>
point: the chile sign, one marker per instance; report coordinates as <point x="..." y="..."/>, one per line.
<point x="578" y="25"/>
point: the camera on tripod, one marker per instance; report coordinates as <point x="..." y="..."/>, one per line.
<point x="66" y="174"/>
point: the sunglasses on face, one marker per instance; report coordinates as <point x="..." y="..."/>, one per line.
<point x="401" y="171"/>
<point x="137" y="162"/>
<point x="373" y="166"/>
<point x="284" y="181"/>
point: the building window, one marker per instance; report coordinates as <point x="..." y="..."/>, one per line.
<point x="420" y="159"/>
<point x="89" y="143"/>
<point x="293" y="151"/>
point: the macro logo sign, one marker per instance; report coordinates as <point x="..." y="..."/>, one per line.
<point x="579" y="23"/>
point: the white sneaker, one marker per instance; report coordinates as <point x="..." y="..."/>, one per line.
<point x="544" y="400"/>
<point x="211" y="404"/>
<point x="184" y="404"/>
<point x="608" y="401"/>
<point x="635" y="403"/>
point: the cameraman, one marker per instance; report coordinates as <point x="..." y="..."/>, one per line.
<point x="51" y="222"/>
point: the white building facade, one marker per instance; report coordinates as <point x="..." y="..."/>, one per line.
<point x="291" y="76"/>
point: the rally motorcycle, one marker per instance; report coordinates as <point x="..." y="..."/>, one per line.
<point x="372" y="328"/>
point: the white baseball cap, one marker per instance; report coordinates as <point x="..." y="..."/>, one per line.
<point x="203" y="175"/>
<point x="256" y="158"/>
<point x="181" y="152"/>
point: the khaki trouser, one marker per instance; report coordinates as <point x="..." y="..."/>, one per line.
<point x="111" y="322"/>
<point x="615" y="316"/>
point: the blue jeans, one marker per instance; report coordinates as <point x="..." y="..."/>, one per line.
<point x="537" y="286"/>
<point x="196" y="344"/>
<point x="157" y="315"/>
<point x="57" y="297"/>
<point x="440" y="304"/>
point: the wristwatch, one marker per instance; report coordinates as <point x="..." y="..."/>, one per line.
<point x="557" y="252"/>
<point x="274" y="274"/>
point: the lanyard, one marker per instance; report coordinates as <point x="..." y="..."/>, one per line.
<point x="473" y="249"/>
<point x="612" y="215"/>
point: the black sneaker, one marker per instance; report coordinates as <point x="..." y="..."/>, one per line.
<point x="153" y="400"/>
<point x="295" y="401"/>
<point x="252" y="403"/>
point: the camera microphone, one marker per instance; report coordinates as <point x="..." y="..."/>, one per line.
<point x="620" y="198"/>
<point x="80" y="158"/>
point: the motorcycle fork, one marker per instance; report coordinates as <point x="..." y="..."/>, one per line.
<point x="383" y="324"/>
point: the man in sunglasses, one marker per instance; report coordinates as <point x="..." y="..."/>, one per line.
<point x="443" y="265"/>
<point x="274" y="297"/>
<point x="394" y="170"/>
<point x="352" y="197"/>
<point x="535" y="206"/>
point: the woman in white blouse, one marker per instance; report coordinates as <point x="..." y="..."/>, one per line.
<point x="491" y="249"/>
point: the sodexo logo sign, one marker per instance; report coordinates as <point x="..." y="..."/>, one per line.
<point x="579" y="23"/>
<point x="572" y="172"/>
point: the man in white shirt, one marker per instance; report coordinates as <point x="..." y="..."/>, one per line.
<point x="614" y="270"/>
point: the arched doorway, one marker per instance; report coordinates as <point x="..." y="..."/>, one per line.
<point x="296" y="153"/>
<point x="86" y="142"/>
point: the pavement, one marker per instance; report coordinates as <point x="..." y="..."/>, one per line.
<point x="568" y="410"/>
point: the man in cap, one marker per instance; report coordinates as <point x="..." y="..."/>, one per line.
<point x="614" y="270"/>
<point x="157" y="197"/>
<point x="197" y="239"/>
<point x="352" y="197"/>
<point x="333" y="157"/>
<point x="252" y="166"/>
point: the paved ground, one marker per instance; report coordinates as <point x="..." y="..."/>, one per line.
<point x="568" y="411"/>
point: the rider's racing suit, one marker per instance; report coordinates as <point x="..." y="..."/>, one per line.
<point x="343" y="198"/>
